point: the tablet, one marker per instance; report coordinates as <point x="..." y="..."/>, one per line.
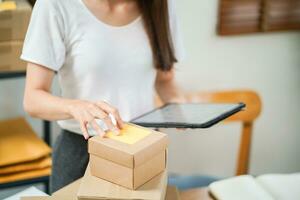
<point x="190" y="115"/>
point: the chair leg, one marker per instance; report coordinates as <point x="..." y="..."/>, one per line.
<point x="244" y="152"/>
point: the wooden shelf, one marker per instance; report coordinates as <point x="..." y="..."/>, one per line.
<point x="47" y="139"/>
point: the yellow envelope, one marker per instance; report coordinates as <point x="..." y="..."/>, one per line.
<point x="130" y="134"/>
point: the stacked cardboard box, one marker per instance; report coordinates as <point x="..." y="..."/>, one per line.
<point x="129" y="166"/>
<point x="69" y="192"/>
<point x="23" y="154"/>
<point x="14" y="20"/>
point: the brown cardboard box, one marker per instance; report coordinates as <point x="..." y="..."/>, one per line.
<point x="92" y="187"/>
<point x="131" y="159"/>
<point x="10" y="56"/>
<point x="14" y="23"/>
<point x="69" y="192"/>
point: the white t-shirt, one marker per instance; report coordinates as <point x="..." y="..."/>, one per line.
<point x="95" y="61"/>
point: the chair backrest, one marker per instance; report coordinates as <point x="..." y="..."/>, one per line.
<point x="250" y="98"/>
<point x="247" y="117"/>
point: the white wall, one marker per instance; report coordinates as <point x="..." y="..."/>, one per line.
<point x="268" y="63"/>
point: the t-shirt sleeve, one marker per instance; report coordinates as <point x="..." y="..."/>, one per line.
<point x="44" y="42"/>
<point x="175" y="33"/>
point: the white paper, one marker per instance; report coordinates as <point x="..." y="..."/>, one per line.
<point x="32" y="191"/>
<point x="281" y="186"/>
<point x="239" y="188"/>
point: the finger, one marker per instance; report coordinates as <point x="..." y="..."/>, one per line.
<point x="97" y="128"/>
<point x="98" y="113"/>
<point x="83" y="127"/>
<point x="111" y="110"/>
<point x="108" y="121"/>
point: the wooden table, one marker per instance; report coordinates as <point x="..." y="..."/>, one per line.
<point x="196" y="194"/>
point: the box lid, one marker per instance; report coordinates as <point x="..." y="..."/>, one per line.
<point x="133" y="147"/>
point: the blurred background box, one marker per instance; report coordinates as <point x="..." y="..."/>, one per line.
<point x="10" y="52"/>
<point x="14" y="22"/>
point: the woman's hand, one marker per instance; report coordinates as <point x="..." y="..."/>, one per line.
<point x="40" y="103"/>
<point x="86" y="113"/>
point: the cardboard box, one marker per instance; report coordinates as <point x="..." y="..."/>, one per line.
<point x="92" y="187"/>
<point x="10" y="56"/>
<point x="14" y="21"/>
<point x="69" y="192"/>
<point x="131" y="159"/>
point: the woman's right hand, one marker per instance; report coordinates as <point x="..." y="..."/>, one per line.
<point x="86" y="113"/>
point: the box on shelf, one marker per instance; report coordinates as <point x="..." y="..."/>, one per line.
<point x="130" y="159"/>
<point x="14" y="20"/>
<point x="10" y="52"/>
<point x="92" y="187"/>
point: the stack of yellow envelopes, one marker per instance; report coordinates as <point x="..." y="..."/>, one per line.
<point x="23" y="155"/>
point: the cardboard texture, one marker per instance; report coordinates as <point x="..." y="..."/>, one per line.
<point x="8" y="5"/>
<point x="124" y="161"/>
<point x="18" y="133"/>
<point x="92" y="187"/>
<point x="14" y="20"/>
<point x="10" y="56"/>
<point x="69" y="192"/>
<point x="172" y="193"/>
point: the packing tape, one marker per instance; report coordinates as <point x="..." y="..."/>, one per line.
<point x="129" y="134"/>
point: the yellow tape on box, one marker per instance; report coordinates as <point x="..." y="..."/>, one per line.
<point x="129" y="134"/>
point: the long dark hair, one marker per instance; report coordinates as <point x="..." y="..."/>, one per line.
<point x="156" y="21"/>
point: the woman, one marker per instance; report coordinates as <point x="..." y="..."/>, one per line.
<point x="109" y="56"/>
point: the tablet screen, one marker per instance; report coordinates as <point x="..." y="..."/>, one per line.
<point x="193" y="115"/>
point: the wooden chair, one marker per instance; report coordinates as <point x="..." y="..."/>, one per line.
<point x="246" y="117"/>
